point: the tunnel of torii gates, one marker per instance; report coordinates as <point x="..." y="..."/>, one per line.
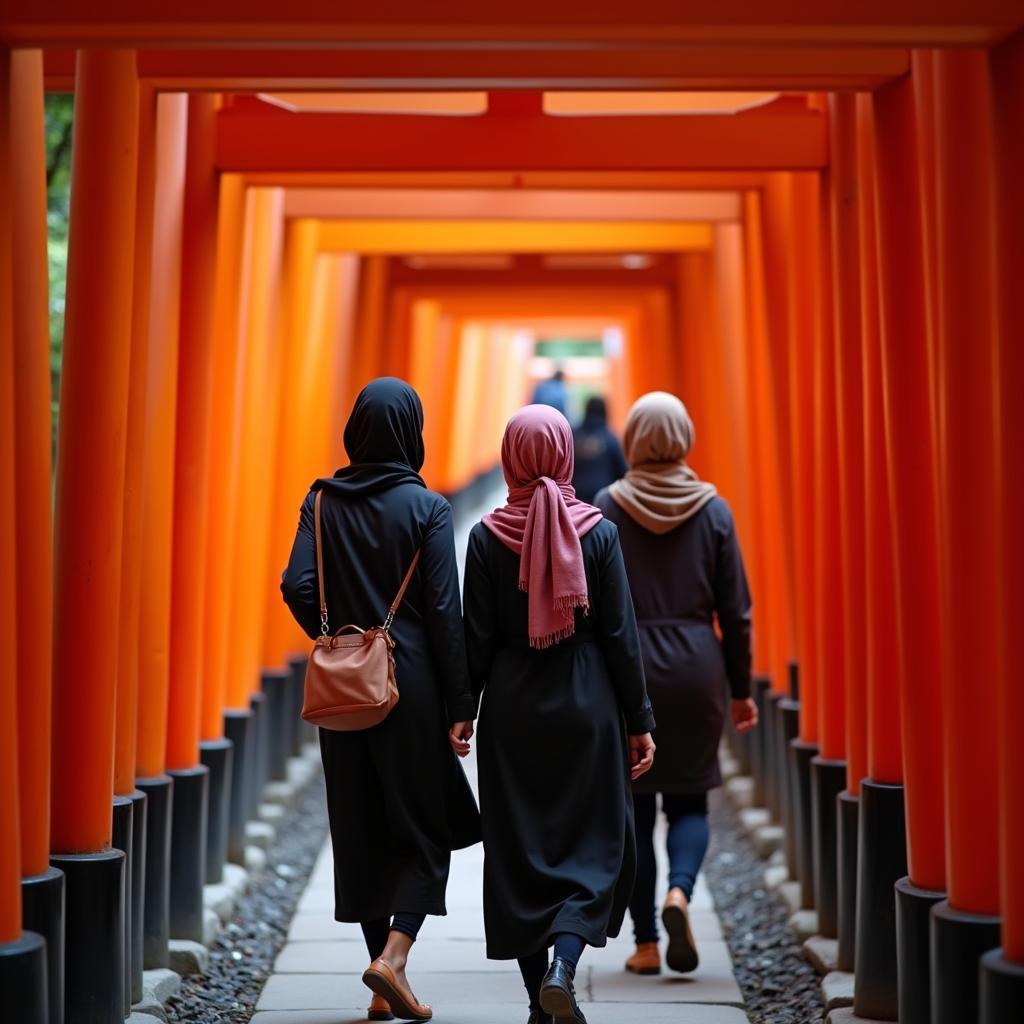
<point x="268" y="211"/>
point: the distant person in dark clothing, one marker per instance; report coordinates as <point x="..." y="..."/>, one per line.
<point x="599" y="458"/>
<point x="553" y="392"/>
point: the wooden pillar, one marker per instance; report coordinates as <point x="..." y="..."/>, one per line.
<point x="158" y="435"/>
<point x="369" y="333"/>
<point x="33" y="446"/>
<point x="10" y="840"/>
<point x="341" y="363"/>
<point x="968" y="475"/>
<point x="225" y="438"/>
<point x="1007" y="70"/>
<point x="881" y="654"/>
<point x="192" y="426"/>
<point x="90" y="469"/>
<point x="910" y="461"/>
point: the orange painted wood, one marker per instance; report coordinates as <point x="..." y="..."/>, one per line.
<point x="33" y="446"/>
<point x="369" y="327"/>
<point x="881" y="651"/>
<point x="128" y="635"/>
<point x="258" y="137"/>
<point x="804" y="250"/>
<point x="90" y="465"/>
<point x="910" y="448"/>
<point x="1007" y="70"/>
<point x="234" y="211"/>
<point x="10" y="839"/>
<point x="774" y="597"/>
<point x="969" y="525"/>
<point x="158" y="435"/>
<point x="192" y="427"/>
<point x="257" y="452"/>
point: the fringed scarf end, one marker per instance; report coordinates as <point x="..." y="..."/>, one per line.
<point x="542" y="643"/>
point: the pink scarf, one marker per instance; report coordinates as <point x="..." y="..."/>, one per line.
<point x="544" y="520"/>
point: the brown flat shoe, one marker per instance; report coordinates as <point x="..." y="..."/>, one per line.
<point x="646" y="959"/>
<point x="681" y="954"/>
<point x="379" y="1009"/>
<point x="381" y="979"/>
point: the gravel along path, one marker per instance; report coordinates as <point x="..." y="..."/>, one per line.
<point x="242" y="957"/>
<point x="779" y="985"/>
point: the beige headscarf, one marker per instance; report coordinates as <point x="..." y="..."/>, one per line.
<point x="660" y="491"/>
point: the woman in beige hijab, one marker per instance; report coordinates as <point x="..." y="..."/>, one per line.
<point x="686" y="574"/>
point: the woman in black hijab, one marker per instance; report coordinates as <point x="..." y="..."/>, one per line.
<point x="397" y="798"/>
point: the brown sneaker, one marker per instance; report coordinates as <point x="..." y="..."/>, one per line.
<point x="379" y="1009"/>
<point x="646" y="959"/>
<point x="681" y="954"/>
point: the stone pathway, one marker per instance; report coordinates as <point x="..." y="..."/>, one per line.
<point x="317" y="975"/>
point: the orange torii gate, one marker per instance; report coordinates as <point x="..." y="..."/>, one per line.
<point x="865" y="281"/>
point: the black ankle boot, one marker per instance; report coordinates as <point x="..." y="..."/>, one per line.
<point x="557" y="995"/>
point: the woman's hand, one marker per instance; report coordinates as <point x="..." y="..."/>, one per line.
<point x="744" y="715"/>
<point x="641" y="755"/>
<point x="459" y="736"/>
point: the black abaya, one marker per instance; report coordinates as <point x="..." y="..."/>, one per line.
<point x="398" y="800"/>
<point x="553" y="758"/>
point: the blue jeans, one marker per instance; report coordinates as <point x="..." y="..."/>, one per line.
<point x="687" y="843"/>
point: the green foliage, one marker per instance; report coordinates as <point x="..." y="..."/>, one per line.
<point x="59" y="120"/>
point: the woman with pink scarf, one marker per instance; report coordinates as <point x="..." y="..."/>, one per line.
<point x="565" y="722"/>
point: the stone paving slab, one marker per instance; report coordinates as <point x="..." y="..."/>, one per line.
<point x="514" y="1013"/>
<point x="713" y="982"/>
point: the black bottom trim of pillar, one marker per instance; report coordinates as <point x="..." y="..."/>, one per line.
<point x="23" y="982"/>
<point x="958" y="942"/>
<point x="137" y="921"/>
<point x="216" y="756"/>
<point x="156" y="931"/>
<point x="94" y="936"/>
<point x="42" y="912"/>
<point x="188" y="851"/>
<point x="260" y="774"/>
<point x="759" y="687"/>
<point x="298" y="693"/>
<point x="828" y="780"/>
<point x="801" y="755"/>
<point x="1002" y="988"/>
<point x="848" y="819"/>
<point x="881" y="861"/>
<point x="775" y="783"/>
<point x="275" y="684"/>
<point x="794" y="681"/>
<point x="787" y="728"/>
<point x="124" y="831"/>
<point x="240" y="729"/>
<point x="913" y="949"/>
<point x="740" y="748"/>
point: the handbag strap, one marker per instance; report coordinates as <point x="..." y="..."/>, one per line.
<point x="324" y="629"/>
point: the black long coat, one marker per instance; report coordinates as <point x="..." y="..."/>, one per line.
<point x="682" y="581"/>
<point x="397" y="798"/>
<point x="557" y="811"/>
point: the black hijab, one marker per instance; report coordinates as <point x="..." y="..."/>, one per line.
<point x="383" y="439"/>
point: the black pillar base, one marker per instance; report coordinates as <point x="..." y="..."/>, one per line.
<point x="828" y="780"/>
<point x="188" y="851"/>
<point x="881" y="861"/>
<point x="794" y="681"/>
<point x="216" y="756"/>
<point x="774" y="789"/>
<point x="124" y="831"/>
<point x="240" y="729"/>
<point x="23" y="982"/>
<point x="137" y="922"/>
<point x="759" y="688"/>
<point x="42" y="912"/>
<point x="297" y="688"/>
<point x="1002" y="988"/>
<point x="156" y="931"/>
<point x="787" y="728"/>
<point x="276" y="685"/>
<point x="913" y="947"/>
<point x="958" y="942"/>
<point x="848" y="815"/>
<point x="801" y="755"/>
<point x="94" y="936"/>
<point x="260" y="774"/>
